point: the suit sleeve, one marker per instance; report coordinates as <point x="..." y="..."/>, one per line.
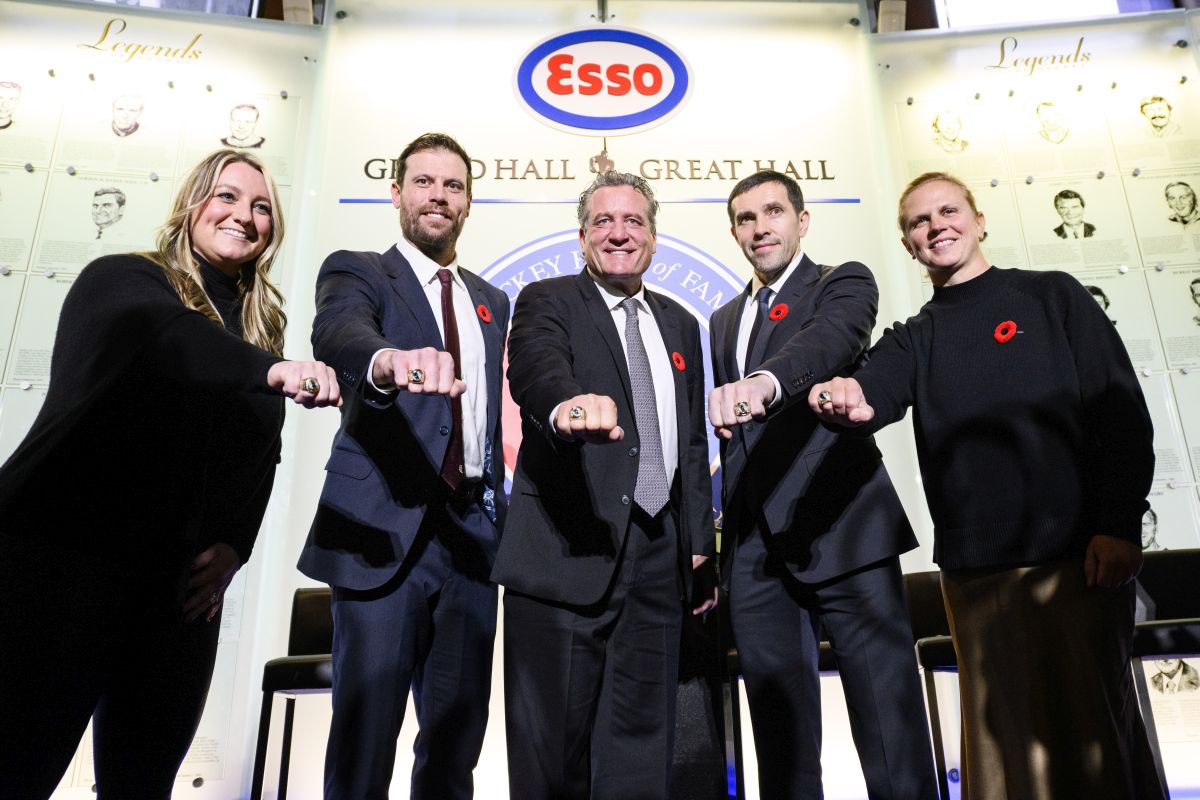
<point x="346" y="329"/>
<point x="540" y="360"/>
<point x="701" y="526"/>
<point x="834" y="337"/>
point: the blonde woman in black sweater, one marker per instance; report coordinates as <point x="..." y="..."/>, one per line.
<point x="138" y="492"/>
<point x="1036" y="453"/>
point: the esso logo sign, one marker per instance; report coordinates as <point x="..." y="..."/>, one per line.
<point x="603" y="80"/>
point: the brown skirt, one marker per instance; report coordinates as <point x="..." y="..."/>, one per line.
<point x="1048" y="703"/>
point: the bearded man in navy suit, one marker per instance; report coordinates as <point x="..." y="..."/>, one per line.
<point x="813" y="527"/>
<point x="413" y="502"/>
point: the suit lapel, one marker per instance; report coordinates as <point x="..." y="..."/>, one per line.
<point x="791" y="295"/>
<point x="491" y="343"/>
<point x="411" y="294"/>
<point x="602" y="318"/>
<point x="730" y="337"/>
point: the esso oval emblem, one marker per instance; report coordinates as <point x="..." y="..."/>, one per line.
<point x="603" y="80"/>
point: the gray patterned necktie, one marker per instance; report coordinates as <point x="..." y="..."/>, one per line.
<point x="652" y="490"/>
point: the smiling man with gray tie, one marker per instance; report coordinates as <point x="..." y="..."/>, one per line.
<point x="611" y="512"/>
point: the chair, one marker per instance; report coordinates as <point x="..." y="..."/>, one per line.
<point x="927" y="615"/>
<point x="307" y="668"/>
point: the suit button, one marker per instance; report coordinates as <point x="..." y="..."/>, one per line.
<point x="624" y="499"/>
<point x="632" y="452"/>
<point x="443" y="430"/>
<point x="795" y="383"/>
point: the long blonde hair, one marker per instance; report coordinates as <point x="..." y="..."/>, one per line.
<point x="263" y="320"/>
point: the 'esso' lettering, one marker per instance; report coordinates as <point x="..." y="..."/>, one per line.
<point x="602" y="80"/>
<point x="589" y="79"/>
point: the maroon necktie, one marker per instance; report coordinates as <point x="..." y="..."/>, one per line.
<point x="453" y="470"/>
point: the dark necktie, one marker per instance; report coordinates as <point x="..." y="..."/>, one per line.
<point x="764" y="300"/>
<point x="652" y="491"/>
<point x="453" y="469"/>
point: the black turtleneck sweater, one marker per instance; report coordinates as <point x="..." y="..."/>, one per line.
<point x="1029" y="443"/>
<point x="159" y="435"/>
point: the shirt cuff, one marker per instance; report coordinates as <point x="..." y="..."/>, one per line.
<point x="778" y="388"/>
<point x="371" y="372"/>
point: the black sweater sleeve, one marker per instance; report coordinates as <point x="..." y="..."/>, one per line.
<point x="122" y="307"/>
<point x="1118" y="433"/>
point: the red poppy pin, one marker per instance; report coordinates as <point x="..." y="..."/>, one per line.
<point x="778" y="311"/>
<point x="678" y="361"/>
<point x="483" y="312"/>
<point x="1005" y="331"/>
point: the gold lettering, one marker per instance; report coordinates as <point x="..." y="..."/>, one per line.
<point x="104" y="33"/>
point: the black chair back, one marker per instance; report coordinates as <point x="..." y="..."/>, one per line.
<point x="311" y="630"/>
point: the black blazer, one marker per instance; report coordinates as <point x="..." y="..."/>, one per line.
<point x="385" y="467"/>
<point x="571" y="501"/>
<point x="825" y="499"/>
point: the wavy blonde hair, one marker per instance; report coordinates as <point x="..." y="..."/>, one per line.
<point x="263" y="320"/>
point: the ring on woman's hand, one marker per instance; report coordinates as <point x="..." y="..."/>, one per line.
<point x="741" y="409"/>
<point x="213" y="598"/>
<point x="416" y="376"/>
<point x="824" y="397"/>
<point x="576" y="412"/>
<point x="310" y="385"/>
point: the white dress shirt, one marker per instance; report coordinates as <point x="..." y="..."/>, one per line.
<point x="661" y="369"/>
<point x="470" y="349"/>
<point x="750" y="311"/>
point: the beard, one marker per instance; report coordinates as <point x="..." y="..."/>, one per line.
<point x="425" y="238"/>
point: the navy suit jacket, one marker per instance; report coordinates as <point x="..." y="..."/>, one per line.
<point x="385" y="467"/>
<point x="824" y="499"/>
<point x="571" y="501"/>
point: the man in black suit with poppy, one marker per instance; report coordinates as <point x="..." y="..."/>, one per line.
<point x="813" y="527"/>
<point x="611" y="512"/>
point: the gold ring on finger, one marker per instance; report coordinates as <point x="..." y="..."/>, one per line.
<point x="576" y="412"/>
<point x="416" y="376"/>
<point x="825" y="398"/>
<point x="741" y="409"/>
<point x="310" y="385"/>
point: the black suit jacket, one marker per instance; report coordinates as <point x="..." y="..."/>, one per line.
<point x="571" y="501"/>
<point x="385" y="467"/>
<point x="825" y="499"/>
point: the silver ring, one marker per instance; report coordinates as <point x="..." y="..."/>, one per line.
<point x="576" y="412"/>
<point x="824" y="397"/>
<point x="416" y="376"/>
<point x="741" y="409"/>
<point x="310" y="385"/>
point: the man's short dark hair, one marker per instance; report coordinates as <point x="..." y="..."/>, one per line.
<point x="433" y="141"/>
<point x="120" y="195"/>
<point x="1069" y="194"/>
<point x="795" y="196"/>
<point x="1149" y="101"/>
<point x="1097" y="292"/>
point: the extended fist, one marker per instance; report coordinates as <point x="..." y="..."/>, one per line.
<point x="588" y="417"/>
